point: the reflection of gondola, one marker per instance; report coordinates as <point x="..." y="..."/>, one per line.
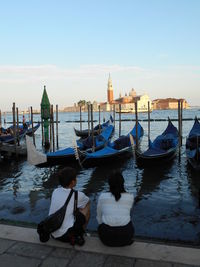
<point x="193" y="146"/>
<point x="162" y="149"/>
<point x="151" y="180"/>
<point x="194" y="182"/>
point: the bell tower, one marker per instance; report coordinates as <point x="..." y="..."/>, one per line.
<point x="110" y="91"/>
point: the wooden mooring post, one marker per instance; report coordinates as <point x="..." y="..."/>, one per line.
<point x="14" y="128"/>
<point x="32" y="126"/>
<point x="88" y="119"/>
<point x="99" y="119"/>
<point x="80" y="118"/>
<point x="57" y="126"/>
<point x="18" y="142"/>
<point x="92" y="128"/>
<point x="179" y="123"/>
<point x="148" y="123"/>
<point x="114" y="115"/>
<point x="120" y="112"/>
<point x="136" y="121"/>
<point x="52" y="128"/>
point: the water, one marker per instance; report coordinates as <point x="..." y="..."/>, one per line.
<point x="169" y="205"/>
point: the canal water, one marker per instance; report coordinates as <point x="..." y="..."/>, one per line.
<point x="169" y="205"/>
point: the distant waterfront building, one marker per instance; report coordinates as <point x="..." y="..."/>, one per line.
<point x="127" y="101"/>
<point x="168" y="103"/>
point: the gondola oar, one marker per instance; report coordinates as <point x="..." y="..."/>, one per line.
<point x="132" y="144"/>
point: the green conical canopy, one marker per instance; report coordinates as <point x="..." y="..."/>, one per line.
<point x="45" y="105"/>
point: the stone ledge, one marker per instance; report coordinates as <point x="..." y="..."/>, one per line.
<point x="138" y="250"/>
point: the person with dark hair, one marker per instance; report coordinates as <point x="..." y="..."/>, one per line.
<point x="71" y="230"/>
<point x="114" y="214"/>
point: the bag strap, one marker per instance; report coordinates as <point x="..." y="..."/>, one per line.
<point x="68" y="198"/>
<point x="75" y="201"/>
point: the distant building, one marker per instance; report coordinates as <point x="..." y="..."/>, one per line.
<point x="168" y="103"/>
<point x="127" y="102"/>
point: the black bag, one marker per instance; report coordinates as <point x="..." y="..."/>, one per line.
<point x="79" y="218"/>
<point x="53" y="221"/>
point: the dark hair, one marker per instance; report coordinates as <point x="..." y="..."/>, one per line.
<point x="66" y="176"/>
<point x="116" y="183"/>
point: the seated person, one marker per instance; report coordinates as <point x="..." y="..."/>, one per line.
<point x="70" y="231"/>
<point x="113" y="214"/>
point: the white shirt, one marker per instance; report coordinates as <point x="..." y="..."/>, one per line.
<point x="112" y="212"/>
<point x="58" y="199"/>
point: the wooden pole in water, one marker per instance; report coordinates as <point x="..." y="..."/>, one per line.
<point x="29" y="115"/>
<point x="99" y="119"/>
<point x="17" y="126"/>
<point x="4" y="118"/>
<point x="114" y="114"/>
<point x="136" y="121"/>
<point x="179" y="123"/>
<point x="92" y="128"/>
<point x="42" y="127"/>
<point x="57" y="126"/>
<point x="50" y="130"/>
<point x="80" y="118"/>
<point x="148" y="122"/>
<point x="88" y="119"/>
<point x="32" y="126"/>
<point x="14" y="128"/>
<point x="120" y="110"/>
<point x="53" y="135"/>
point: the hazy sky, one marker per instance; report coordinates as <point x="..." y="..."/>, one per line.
<point x="72" y="46"/>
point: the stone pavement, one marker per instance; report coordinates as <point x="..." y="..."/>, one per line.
<point x="20" y="247"/>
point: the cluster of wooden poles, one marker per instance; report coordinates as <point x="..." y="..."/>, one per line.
<point x="51" y="142"/>
<point x="90" y="120"/>
<point x="53" y="139"/>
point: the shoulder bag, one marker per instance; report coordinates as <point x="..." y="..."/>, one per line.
<point x="52" y="222"/>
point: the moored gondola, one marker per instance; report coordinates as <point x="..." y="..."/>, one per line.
<point x="161" y="150"/>
<point x="193" y="146"/>
<point x="96" y="131"/>
<point x="119" y="149"/>
<point x="64" y="156"/>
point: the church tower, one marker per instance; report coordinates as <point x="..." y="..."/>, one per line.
<point x="110" y="90"/>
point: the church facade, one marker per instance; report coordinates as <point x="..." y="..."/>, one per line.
<point x="127" y="101"/>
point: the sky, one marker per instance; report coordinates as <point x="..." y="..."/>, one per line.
<point x="72" y="46"/>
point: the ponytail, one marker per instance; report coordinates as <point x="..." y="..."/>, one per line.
<point x="116" y="183"/>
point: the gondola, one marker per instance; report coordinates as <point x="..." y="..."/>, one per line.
<point x="119" y="149"/>
<point x="97" y="129"/>
<point x="64" y="156"/>
<point x="162" y="149"/>
<point x="193" y="146"/>
<point x="8" y="136"/>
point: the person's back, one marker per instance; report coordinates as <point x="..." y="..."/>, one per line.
<point x="67" y="231"/>
<point x="113" y="214"/>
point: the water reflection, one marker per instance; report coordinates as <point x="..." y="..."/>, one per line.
<point x="194" y="184"/>
<point x="151" y="179"/>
